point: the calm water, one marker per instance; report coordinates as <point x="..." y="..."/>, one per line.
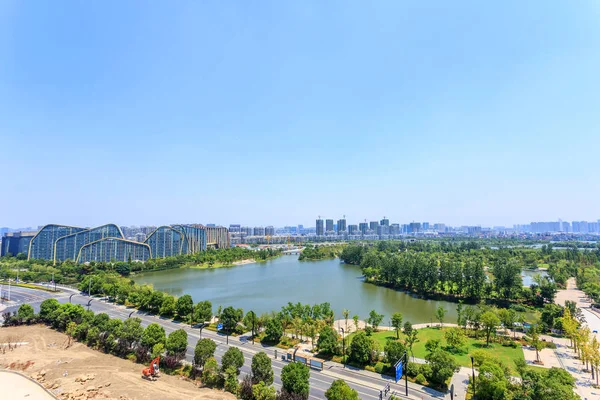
<point x="265" y="287"/>
<point x="528" y="276"/>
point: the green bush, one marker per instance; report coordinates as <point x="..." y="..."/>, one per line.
<point x="550" y="345"/>
<point x="420" y="379"/>
<point x="379" y="367"/>
<point x="425" y="369"/>
<point x="412" y="369"/>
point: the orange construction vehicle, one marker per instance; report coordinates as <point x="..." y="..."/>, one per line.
<point x="152" y="371"/>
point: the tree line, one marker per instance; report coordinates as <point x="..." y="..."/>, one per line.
<point x="467" y="271"/>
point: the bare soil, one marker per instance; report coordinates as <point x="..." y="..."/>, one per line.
<point x="80" y="373"/>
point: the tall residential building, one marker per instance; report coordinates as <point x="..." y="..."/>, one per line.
<point x="328" y="225"/>
<point x="414" y="227"/>
<point x="258" y="231"/>
<point x="235" y="228"/>
<point x="353" y="229"/>
<point x="363" y="227"/>
<point x="246" y="230"/>
<point x="341" y="225"/>
<point x="580" y="226"/>
<point x="269" y="231"/>
<point x="216" y="236"/>
<point x="395" y="229"/>
<point x="384" y="222"/>
<point x="320" y="228"/>
<point x="14" y="243"/>
<point x="439" y="227"/>
<point x="425" y="226"/>
<point x="373" y="225"/>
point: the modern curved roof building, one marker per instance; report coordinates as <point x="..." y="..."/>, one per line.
<point x="107" y="243"/>
<point x="114" y="249"/>
<point x="42" y="244"/>
<point x="67" y="247"/>
<point x="166" y="241"/>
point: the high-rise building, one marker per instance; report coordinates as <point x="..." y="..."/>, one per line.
<point x="216" y="236"/>
<point x="14" y="243"/>
<point x="580" y="226"/>
<point x="395" y="229"/>
<point x="373" y="225"/>
<point x="425" y="226"/>
<point x="258" y="231"/>
<point x="269" y="231"/>
<point x="353" y="230"/>
<point x="246" y="230"/>
<point x="439" y="227"/>
<point x="363" y="227"/>
<point x="235" y="228"/>
<point x="328" y="225"/>
<point x="341" y="225"/>
<point x="320" y="228"/>
<point x="414" y="227"/>
<point x="384" y="222"/>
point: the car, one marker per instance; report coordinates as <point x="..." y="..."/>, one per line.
<point x="595" y="331"/>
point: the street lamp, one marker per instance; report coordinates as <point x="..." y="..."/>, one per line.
<point x="343" y="347"/>
<point x="253" y="326"/>
<point x="473" y="369"/>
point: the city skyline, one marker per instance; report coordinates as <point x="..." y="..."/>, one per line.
<point x="467" y="113"/>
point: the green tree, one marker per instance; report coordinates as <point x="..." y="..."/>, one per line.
<point x="211" y="376"/>
<point x="361" y="348"/>
<point x="294" y="379"/>
<point x="262" y="391"/>
<point x="274" y="330"/>
<point x="153" y="334"/>
<point x="184" y="306"/>
<point x="492" y="384"/>
<point x="536" y="342"/>
<point x="130" y="333"/>
<point x="443" y="366"/>
<point x="411" y="339"/>
<point x="393" y="351"/>
<point x="397" y="323"/>
<point x="440" y="313"/>
<point x="202" y="312"/>
<point x="233" y="357"/>
<point x="167" y="308"/>
<point x="261" y="369"/>
<point x="455" y="337"/>
<point x="339" y="390"/>
<point x="507" y="318"/>
<point x="230" y="318"/>
<point x="205" y="349"/>
<point x="25" y="313"/>
<point x="231" y="380"/>
<point x="489" y="321"/>
<point x="375" y="319"/>
<point x="355" y="319"/>
<point x="47" y="307"/>
<point x="177" y="343"/>
<point x="328" y="341"/>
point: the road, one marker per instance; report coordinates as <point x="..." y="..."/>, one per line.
<point x="367" y="384"/>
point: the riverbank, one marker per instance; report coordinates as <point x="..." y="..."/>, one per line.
<point x="221" y="265"/>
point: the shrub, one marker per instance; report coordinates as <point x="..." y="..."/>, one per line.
<point x="425" y="370"/>
<point x="420" y="379"/>
<point x="369" y="331"/>
<point x="412" y="369"/>
<point x="550" y="345"/>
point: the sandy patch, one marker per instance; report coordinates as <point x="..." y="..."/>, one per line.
<point x="79" y="370"/>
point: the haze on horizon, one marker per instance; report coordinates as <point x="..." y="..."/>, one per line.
<point x="273" y="113"/>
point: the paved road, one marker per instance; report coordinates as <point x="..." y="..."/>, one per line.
<point x="367" y="384"/>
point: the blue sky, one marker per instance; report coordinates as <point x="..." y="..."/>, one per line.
<point x="274" y="112"/>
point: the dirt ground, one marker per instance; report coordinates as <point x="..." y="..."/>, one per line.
<point x="79" y="372"/>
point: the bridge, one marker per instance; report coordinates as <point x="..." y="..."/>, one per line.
<point x="293" y="251"/>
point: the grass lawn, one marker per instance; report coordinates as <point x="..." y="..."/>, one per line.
<point x="505" y="353"/>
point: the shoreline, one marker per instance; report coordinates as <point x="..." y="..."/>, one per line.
<point x="205" y="266"/>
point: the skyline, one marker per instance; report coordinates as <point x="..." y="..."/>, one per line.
<point x="463" y="114"/>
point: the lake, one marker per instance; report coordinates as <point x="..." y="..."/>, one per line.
<point x="264" y="287"/>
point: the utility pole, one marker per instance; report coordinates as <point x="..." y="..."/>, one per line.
<point x="90" y="288"/>
<point x="343" y="347"/>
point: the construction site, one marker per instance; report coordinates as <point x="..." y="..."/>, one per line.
<point x="37" y="362"/>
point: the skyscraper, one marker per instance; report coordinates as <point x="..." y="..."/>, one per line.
<point x="320" y="227"/>
<point x="341" y="225"/>
<point x="373" y="225"/>
<point x="353" y="229"/>
<point x="363" y="227"/>
<point x="328" y="225"/>
<point x="384" y="222"/>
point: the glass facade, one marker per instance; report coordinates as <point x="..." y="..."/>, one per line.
<point x="15" y="243"/>
<point x="67" y="247"/>
<point x="42" y="244"/>
<point x="114" y="250"/>
<point x="166" y="241"/>
<point x="195" y="239"/>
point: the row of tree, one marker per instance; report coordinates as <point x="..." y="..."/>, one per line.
<point x="458" y="274"/>
<point x="320" y="252"/>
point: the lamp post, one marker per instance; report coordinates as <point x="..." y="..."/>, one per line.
<point x="343" y="347"/>
<point x="473" y="369"/>
<point x="253" y="326"/>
